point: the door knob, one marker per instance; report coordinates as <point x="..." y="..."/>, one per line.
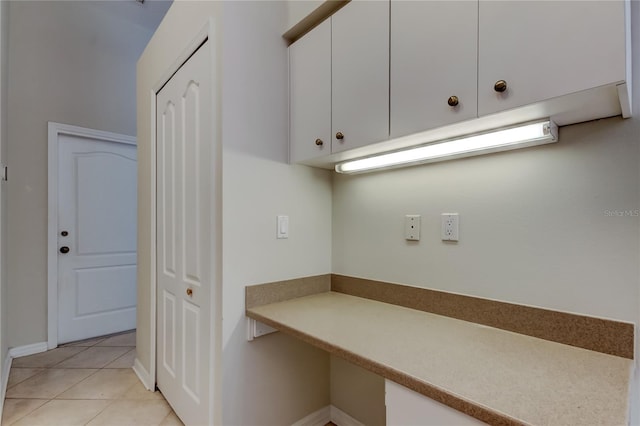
<point x="64" y="249"/>
<point x="64" y="233"/>
<point x="189" y="292"/>
<point x="319" y="142"/>
<point x="339" y="136"/>
<point x="500" y="86"/>
<point x="453" y="101"/>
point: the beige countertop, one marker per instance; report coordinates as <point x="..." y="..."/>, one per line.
<point x="495" y="375"/>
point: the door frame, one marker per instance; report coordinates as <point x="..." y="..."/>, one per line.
<point x="55" y="130"/>
<point x="206" y="32"/>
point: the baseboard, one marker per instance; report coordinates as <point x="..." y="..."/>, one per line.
<point x="34" y="348"/>
<point x="341" y="418"/>
<point x="144" y="375"/>
<point x="6" y="369"/>
<point x="12" y="353"/>
<point x="317" y="418"/>
<point x="328" y="414"/>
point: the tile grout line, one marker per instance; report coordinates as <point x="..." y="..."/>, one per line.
<point x="101" y="411"/>
<point x="23" y="380"/>
<point x="26" y="414"/>
<point x="121" y="356"/>
<point x="86" y="378"/>
<point x="111" y="401"/>
<point x="77" y="353"/>
<point x="53" y="367"/>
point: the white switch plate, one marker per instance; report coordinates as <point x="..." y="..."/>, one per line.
<point x="450" y="227"/>
<point x="412" y="227"/>
<point x="282" y="230"/>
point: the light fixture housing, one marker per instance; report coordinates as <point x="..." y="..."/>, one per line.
<point x="519" y="136"/>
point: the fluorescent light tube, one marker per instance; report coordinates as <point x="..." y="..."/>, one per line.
<point x="521" y="136"/>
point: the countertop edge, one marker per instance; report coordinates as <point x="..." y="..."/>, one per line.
<point x="471" y="408"/>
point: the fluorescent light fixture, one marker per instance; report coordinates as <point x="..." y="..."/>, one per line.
<point x="528" y="134"/>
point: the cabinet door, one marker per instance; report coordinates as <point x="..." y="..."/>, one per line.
<point x="434" y="54"/>
<point x="310" y="94"/>
<point x="544" y="49"/>
<point x="360" y="74"/>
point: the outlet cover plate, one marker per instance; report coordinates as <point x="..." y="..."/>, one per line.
<point x="450" y="227"/>
<point x="412" y="227"/>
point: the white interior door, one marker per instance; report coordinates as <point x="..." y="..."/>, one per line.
<point x="97" y="198"/>
<point x="184" y="239"/>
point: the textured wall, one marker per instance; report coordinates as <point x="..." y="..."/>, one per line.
<point x="72" y="63"/>
<point x="538" y="226"/>
<point x="276" y="379"/>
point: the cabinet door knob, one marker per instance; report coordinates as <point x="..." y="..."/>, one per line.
<point x="189" y="292"/>
<point x="500" y="86"/>
<point x="453" y="101"/>
<point x="339" y="136"/>
<point x="319" y="142"/>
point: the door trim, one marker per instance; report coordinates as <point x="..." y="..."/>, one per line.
<point x="207" y="31"/>
<point x="55" y="130"/>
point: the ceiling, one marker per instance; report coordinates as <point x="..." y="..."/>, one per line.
<point x="148" y="14"/>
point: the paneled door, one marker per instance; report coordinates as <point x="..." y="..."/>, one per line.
<point x="360" y="74"/>
<point x="184" y="236"/>
<point x="96" y="237"/>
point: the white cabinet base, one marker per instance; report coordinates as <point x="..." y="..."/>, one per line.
<point x="408" y="408"/>
<point x="600" y="102"/>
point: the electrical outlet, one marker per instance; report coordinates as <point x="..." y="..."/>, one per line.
<point x="412" y="227"/>
<point x="450" y="227"/>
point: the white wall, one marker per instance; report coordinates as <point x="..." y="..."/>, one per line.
<point x="69" y="62"/>
<point x="534" y="227"/>
<point x="4" y="32"/>
<point x="278" y="377"/>
<point x="358" y="392"/>
<point x="297" y="10"/>
<point x="635" y="45"/>
<point x="274" y="380"/>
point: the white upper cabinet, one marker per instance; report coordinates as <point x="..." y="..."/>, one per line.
<point x="310" y="94"/>
<point x="546" y="49"/>
<point x="360" y="74"/>
<point x="434" y="56"/>
<point x="378" y="71"/>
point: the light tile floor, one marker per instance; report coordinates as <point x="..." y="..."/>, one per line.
<point x="84" y="383"/>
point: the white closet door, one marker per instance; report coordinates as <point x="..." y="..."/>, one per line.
<point x="184" y="239"/>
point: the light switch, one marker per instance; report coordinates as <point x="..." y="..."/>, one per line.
<point x="283" y="227"/>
